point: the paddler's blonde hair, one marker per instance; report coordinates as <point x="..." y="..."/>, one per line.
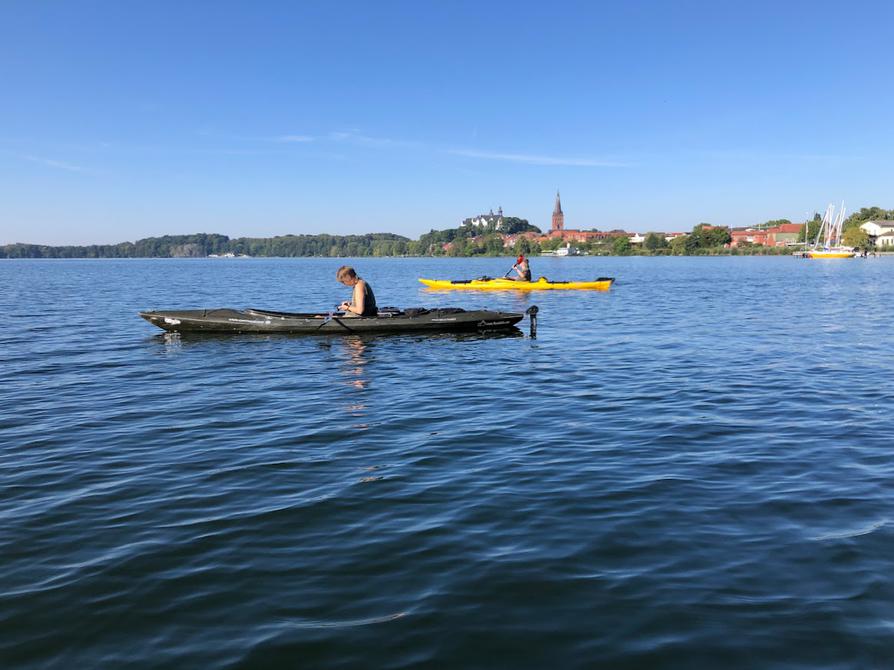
<point x="344" y="272"/>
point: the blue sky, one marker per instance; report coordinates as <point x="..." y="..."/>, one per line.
<point x="124" y="120"/>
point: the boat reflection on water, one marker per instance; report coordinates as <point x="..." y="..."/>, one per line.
<point x="171" y="341"/>
<point x="354" y="358"/>
<point x="354" y="353"/>
<point x="179" y="340"/>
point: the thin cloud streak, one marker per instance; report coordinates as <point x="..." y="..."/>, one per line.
<point x="354" y="136"/>
<point x="534" y="159"/>
<point x="350" y="136"/>
<point x="60" y="165"/>
<point x="294" y="138"/>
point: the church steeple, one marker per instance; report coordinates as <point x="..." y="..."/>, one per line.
<point x="558" y="216"/>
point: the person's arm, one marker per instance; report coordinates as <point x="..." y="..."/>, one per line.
<point x="359" y="299"/>
<point x="346" y="306"/>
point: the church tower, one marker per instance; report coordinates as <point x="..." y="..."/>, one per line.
<point x="558" y="216"/>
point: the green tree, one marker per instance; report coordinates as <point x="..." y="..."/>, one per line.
<point x="493" y="246"/>
<point x="856" y="238"/>
<point x="812" y="228"/>
<point x="513" y="224"/>
<point x="865" y="214"/>
<point x="654" y="241"/>
<point x="718" y="237"/>
<point x="706" y="236"/>
<point x="621" y="245"/>
<point x="678" y="245"/>
<point x="459" y="248"/>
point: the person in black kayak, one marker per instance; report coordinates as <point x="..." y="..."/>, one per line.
<point x="363" y="300"/>
<point x="523" y="268"/>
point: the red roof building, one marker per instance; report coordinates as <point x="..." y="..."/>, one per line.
<point x="749" y="235"/>
<point x="783" y="234"/>
<point x="777" y="236"/>
<point x="510" y="240"/>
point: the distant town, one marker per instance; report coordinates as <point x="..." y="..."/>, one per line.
<point x="496" y="234"/>
<point x="870" y="228"/>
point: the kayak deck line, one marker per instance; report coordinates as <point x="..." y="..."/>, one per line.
<point x="505" y="284"/>
<point x="389" y="320"/>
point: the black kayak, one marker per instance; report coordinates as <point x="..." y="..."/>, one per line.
<point x="388" y="320"/>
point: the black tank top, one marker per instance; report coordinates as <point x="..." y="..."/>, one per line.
<point x="369" y="300"/>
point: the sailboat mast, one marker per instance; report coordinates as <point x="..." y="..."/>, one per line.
<point x="823" y="232"/>
<point x="839" y="223"/>
<point x="833" y="222"/>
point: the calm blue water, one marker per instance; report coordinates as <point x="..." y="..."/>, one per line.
<point x="692" y="470"/>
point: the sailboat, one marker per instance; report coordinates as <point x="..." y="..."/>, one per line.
<point x="828" y="238"/>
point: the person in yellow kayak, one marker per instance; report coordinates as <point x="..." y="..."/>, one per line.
<point x="363" y="300"/>
<point x="523" y="268"/>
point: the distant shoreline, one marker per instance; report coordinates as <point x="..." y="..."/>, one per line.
<point x="203" y="258"/>
<point x="467" y="241"/>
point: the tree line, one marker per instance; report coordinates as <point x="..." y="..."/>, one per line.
<point x="203" y="244"/>
<point x="465" y="240"/>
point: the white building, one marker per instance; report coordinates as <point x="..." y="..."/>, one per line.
<point x="881" y="232"/>
<point x="567" y="250"/>
<point x="486" y="219"/>
<point x="885" y="240"/>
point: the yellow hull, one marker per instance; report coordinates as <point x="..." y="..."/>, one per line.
<point x="502" y="284"/>
<point x="830" y="254"/>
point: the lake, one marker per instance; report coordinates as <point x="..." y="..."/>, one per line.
<point x="692" y="470"/>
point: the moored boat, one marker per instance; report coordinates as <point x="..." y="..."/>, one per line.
<point x="831" y="253"/>
<point x="505" y="284"/>
<point x="388" y="320"/>
<point x="829" y="237"/>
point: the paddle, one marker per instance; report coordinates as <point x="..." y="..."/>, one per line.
<point x="517" y="262"/>
<point x="334" y="316"/>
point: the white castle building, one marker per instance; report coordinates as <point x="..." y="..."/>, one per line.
<point x="486" y="219"/>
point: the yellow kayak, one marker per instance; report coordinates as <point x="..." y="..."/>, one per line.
<point x="504" y="284"/>
<point x="830" y="254"/>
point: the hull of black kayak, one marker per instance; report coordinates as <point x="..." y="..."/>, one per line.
<point x="262" y="321"/>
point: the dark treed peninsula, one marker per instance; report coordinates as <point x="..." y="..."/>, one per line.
<point x="485" y="235"/>
<point x="208" y="244"/>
